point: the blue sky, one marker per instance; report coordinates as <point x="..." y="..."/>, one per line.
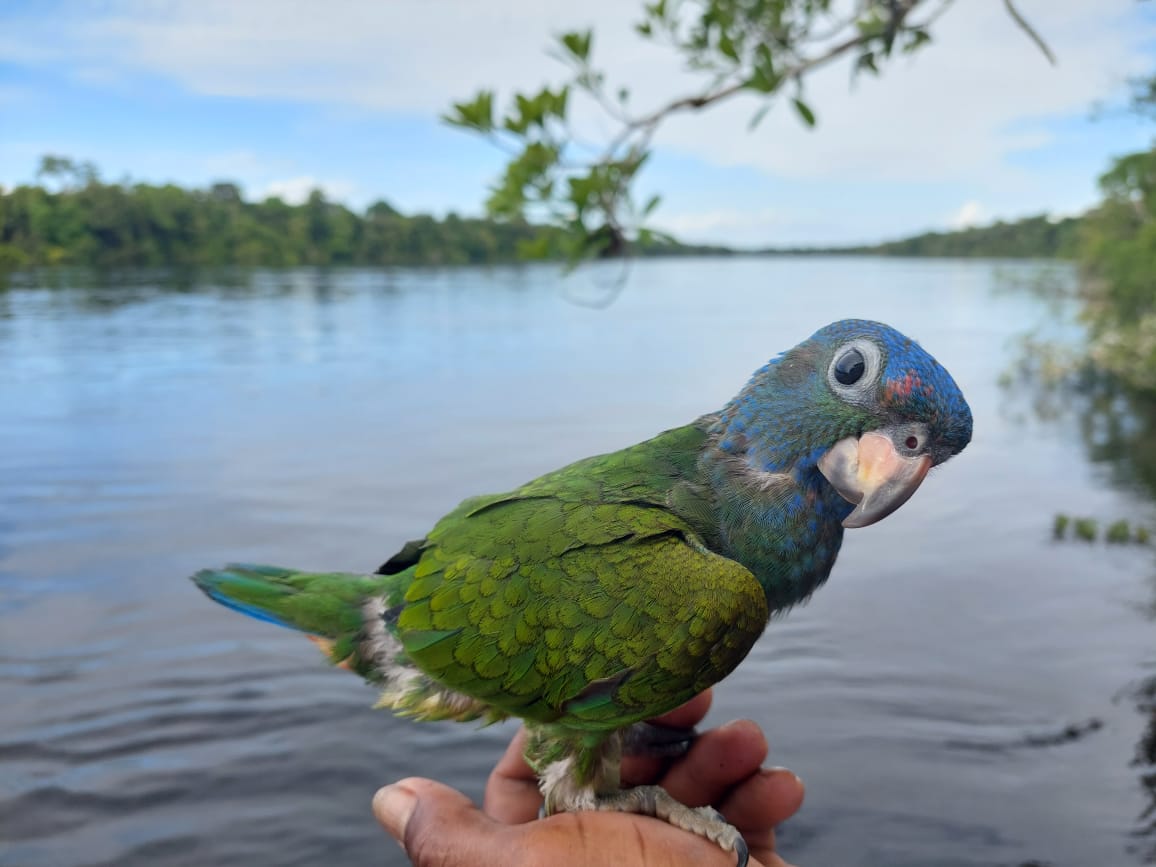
<point x="284" y="95"/>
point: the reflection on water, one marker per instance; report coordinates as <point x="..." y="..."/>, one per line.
<point x="151" y="424"/>
<point x="1145" y="761"/>
<point x="1117" y="427"/>
<point x="1119" y="430"/>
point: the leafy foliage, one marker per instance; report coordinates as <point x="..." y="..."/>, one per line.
<point x="759" y="47"/>
<point x="1115" y="247"/>
<point x="74" y="218"/>
<point x="1032" y="237"/>
<point x="1118" y="256"/>
<point x="1118" y="262"/>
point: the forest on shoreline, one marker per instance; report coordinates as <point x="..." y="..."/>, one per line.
<point x="72" y="217"/>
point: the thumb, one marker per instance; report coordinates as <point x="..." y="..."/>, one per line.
<point x="438" y="825"/>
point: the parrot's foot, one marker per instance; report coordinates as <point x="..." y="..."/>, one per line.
<point x="657" y="802"/>
<point x="666" y="742"/>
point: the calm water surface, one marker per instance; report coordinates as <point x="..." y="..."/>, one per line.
<point x="149" y="428"/>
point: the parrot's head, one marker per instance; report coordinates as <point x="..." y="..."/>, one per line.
<point x="858" y="402"/>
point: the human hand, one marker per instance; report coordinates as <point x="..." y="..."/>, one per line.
<point x="437" y="825"/>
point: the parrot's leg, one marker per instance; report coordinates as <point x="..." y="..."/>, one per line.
<point x="657" y="802"/>
<point x="645" y="739"/>
<point x="580" y="771"/>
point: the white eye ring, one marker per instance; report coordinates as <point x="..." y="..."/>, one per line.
<point x="862" y="390"/>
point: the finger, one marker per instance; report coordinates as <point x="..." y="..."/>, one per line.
<point x="615" y="839"/>
<point x="641" y="770"/>
<point x="759" y="803"/>
<point x="765" y="799"/>
<point x="437" y="825"/>
<point x="687" y="715"/>
<point x="512" y="794"/>
<point x="719" y="760"/>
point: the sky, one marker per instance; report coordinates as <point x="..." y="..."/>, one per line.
<point x="282" y="96"/>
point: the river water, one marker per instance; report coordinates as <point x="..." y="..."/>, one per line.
<point x="152" y="424"/>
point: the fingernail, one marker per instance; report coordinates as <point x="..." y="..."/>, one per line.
<point x="393" y="805"/>
<point x="735" y="723"/>
<point x="779" y="769"/>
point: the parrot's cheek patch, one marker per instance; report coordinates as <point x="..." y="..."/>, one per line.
<point x="869" y="472"/>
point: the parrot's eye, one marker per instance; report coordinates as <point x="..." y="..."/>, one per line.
<point x="849" y="367"/>
<point x="854" y="371"/>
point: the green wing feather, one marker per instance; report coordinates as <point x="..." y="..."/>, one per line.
<point x="583" y="597"/>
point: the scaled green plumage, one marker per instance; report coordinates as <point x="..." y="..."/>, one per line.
<point x="581" y="598"/>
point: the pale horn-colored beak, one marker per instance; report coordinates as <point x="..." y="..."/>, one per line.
<point x="870" y="473"/>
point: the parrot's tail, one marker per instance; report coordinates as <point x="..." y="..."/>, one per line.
<point x="332" y="608"/>
<point x="353" y="619"/>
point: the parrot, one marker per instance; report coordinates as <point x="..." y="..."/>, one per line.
<point x="615" y="589"/>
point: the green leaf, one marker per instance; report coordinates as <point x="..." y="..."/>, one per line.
<point x="758" y="116"/>
<point x="650" y="205"/>
<point x="804" y="111"/>
<point x="559" y="102"/>
<point x="916" y="39"/>
<point x="632" y="163"/>
<point x="581" y="190"/>
<point x="529" y="171"/>
<point x="532" y="110"/>
<point x="517" y="125"/>
<point x="727" y="47"/>
<point x="477" y="114"/>
<point x="765" y="58"/>
<point x="763" y="81"/>
<point x="866" y="61"/>
<point x="577" y="43"/>
<point x="871" y="27"/>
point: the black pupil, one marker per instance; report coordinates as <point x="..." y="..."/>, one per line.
<point x="849" y="369"/>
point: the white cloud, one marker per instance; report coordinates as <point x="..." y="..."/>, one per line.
<point x="962" y="104"/>
<point x="296" y="190"/>
<point x="241" y="163"/>
<point x="720" y="219"/>
<point x="970" y="214"/>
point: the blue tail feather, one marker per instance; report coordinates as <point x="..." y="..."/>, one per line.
<point x="214" y="584"/>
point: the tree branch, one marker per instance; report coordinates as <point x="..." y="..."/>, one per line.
<point x="1022" y="23"/>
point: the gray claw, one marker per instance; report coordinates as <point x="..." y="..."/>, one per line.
<point x="742" y="852"/>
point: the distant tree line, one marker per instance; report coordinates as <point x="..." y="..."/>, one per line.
<point x="1033" y="237"/>
<point x="72" y="217"/>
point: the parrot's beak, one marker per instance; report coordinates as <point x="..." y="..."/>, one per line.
<point x="870" y="473"/>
